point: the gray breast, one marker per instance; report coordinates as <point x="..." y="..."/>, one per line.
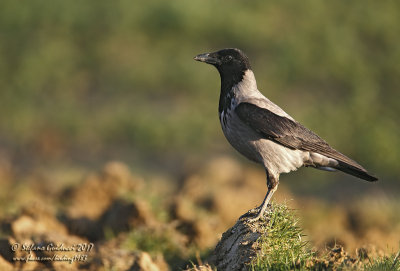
<point x="275" y="157"/>
<point x="240" y="136"/>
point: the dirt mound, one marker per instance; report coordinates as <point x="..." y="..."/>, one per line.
<point x="98" y="191"/>
<point x="37" y="233"/>
<point x="72" y="237"/>
<point x="120" y="216"/>
<point x="98" y="204"/>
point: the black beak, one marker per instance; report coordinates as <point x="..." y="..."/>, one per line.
<point x="208" y="58"/>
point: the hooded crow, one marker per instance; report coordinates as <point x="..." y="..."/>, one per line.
<point x="264" y="133"/>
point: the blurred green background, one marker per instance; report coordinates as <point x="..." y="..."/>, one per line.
<point x="84" y="83"/>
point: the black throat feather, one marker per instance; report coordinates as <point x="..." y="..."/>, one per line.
<point x="228" y="81"/>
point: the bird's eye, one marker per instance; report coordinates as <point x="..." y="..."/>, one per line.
<point x="228" y="58"/>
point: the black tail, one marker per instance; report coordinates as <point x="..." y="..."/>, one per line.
<point x="355" y="171"/>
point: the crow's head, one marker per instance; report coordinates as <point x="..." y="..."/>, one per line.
<point x="230" y="62"/>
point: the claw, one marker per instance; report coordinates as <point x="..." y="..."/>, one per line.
<point x="249" y="213"/>
<point x="257" y="217"/>
<point x="259" y="214"/>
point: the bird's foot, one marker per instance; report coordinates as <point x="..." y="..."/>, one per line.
<point x="259" y="213"/>
<point x="249" y="213"/>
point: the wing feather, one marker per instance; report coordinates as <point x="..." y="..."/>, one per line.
<point x="288" y="133"/>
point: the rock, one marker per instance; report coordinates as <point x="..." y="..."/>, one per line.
<point x="238" y="246"/>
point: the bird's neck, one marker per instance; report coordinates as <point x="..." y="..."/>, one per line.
<point x="231" y="86"/>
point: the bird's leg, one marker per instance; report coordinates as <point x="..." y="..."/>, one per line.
<point x="272" y="184"/>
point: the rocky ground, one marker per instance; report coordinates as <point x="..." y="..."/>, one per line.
<point x="113" y="220"/>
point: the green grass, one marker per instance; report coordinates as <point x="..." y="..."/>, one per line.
<point x="283" y="247"/>
<point x="391" y="263"/>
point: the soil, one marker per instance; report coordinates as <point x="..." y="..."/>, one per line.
<point x="91" y="223"/>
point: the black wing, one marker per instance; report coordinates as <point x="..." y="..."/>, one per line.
<point x="293" y="135"/>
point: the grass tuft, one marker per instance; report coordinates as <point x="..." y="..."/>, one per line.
<point x="391" y="263"/>
<point x="283" y="246"/>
